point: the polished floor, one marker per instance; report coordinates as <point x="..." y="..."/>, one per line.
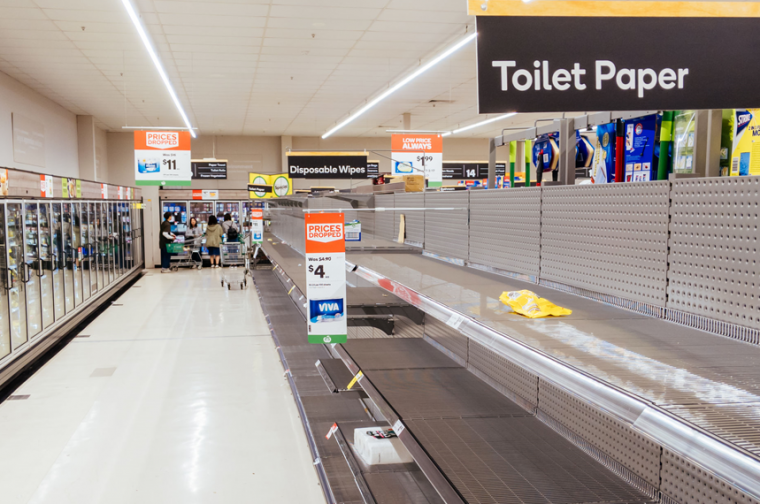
<point x="175" y="394"/>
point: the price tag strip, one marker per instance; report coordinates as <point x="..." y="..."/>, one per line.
<point x="398" y="427"/>
<point x="326" y="278"/>
<point x="357" y="378"/>
<point x="331" y="431"/>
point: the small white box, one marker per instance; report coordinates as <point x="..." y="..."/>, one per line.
<point x="375" y="451"/>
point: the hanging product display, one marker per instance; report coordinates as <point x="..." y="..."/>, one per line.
<point x="269" y="186"/>
<point x="640" y="148"/>
<point x="162" y="158"/>
<point x="684" y="131"/>
<point x="603" y="166"/>
<point x="584" y="151"/>
<point x="745" y="155"/>
<point x="550" y="148"/>
<point x="418" y="155"/>
<point x="325" y="263"/>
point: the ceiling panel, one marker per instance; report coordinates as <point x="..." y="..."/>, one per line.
<point x="278" y="67"/>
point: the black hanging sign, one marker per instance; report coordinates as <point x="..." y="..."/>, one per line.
<point x="216" y="169"/>
<point x="556" y="64"/>
<point x="469" y="170"/>
<point x="259" y="188"/>
<point x="373" y="169"/>
<point x="327" y="166"/>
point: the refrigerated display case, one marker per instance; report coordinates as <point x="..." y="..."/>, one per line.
<point x="228" y="207"/>
<point x="45" y="265"/>
<point x="59" y="261"/>
<point x="14" y="231"/>
<point x="30" y="267"/>
<point x="55" y="257"/>
<point x="5" y="333"/>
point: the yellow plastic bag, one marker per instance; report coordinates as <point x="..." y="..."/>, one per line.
<point x="528" y="303"/>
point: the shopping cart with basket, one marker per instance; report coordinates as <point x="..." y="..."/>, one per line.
<point x="187" y="254"/>
<point x="234" y="256"/>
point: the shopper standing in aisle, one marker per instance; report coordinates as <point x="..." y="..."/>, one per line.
<point x="164" y="240"/>
<point x="214" y="234"/>
<point x="230" y="229"/>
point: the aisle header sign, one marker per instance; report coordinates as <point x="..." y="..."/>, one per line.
<point x="327" y="165"/>
<point x="162" y="158"/>
<point x="261" y="186"/>
<point x="418" y="155"/>
<point x="535" y="64"/>
<point x="326" y="278"/>
<point x="204" y="169"/>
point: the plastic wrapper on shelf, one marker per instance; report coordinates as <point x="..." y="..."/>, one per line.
<point x="529" y="304"/>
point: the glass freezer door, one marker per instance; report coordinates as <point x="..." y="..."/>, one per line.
<point x="104" y="278"/>
<point x="45" y="266"/>
<point x="31" y="266"/>
<point x="14" y="231"/>
<point x="92" y="232"/>
<point x="126" y="233"/>
<point x="76" y="249"/>
<point x="68" y="253"/>
<point x="59" y="261"/>
<point x="110" y="241"/>
<point x="5" y="328"/>
<point x="86" y="257"/>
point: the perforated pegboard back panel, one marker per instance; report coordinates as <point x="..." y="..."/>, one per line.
<point x="384" y="219"/>
<point x="414" y="220"/>
<point x="633" y="451"/>
<point x="713" y="249"/>
<point x="448" y="338"/>
<point x="611" y="238"/>
<point x="502" y="374"/>
<point x="505" y="229"/>
<point x="683" y="482"/>
<point x="446" y="231"/>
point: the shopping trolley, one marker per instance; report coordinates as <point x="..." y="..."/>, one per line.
<point x="233" y="254"/>
<point x="190" y="257"/>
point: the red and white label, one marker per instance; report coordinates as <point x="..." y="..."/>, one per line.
<point x="104" y="191"/>
<point x="161" y="140"/>
<point x="324" y="233"/>
<point x="331" y="431"/>
<point x="46" y="186"/>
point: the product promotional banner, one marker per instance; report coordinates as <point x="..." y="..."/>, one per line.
<point x="203" y="194"/>
<point x="46" y="186"/>
<point x="214" y="170"/>
<point x="326" y="278"/>
<point x="327" y="165"/>
<point x="640" y="141"/>
<point x="745" y="153"/>
<point x="104" y="191"/>
<point x="257" y="226"/>
<point x="534" y="64"/>
<point x="65" y="188"/>
<point x="261" y="186"/>
<point x="162" y="158"/>
<point x="418" y="155"/>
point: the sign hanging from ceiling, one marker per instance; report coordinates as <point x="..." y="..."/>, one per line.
<point x="261" y="186"/>
<point x="534" y="64"/>
<point x="373" y="169"/>
<point x="327" y="165"/>
<point x="205" y="169"/>
<point x="418" y="155"/>
<point x="470" y="170"/>
<point x="162" y="158"/>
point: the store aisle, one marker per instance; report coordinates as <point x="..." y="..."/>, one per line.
<point x="177" y="396"/>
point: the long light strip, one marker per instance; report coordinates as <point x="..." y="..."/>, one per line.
<point x="481" y="123"/>
<point x="157" y="62"/>
<point x="448" y="52"/>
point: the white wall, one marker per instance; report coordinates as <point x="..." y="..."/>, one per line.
<point x="61" y="147"/>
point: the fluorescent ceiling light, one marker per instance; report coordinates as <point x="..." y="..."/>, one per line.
<point x="448" y="52"/>
<point x="415" y="131"/>
<point x="157" y="62"/>
<point x="481" y="123"/>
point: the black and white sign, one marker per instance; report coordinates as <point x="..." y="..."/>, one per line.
<point x="209" y="169"/>
<point x="323" y="166"/>
<point x="373" y="169"/>
<point x="554" y="64"/>
<point x="470" y="171"/>
<point x="259" y="188"/>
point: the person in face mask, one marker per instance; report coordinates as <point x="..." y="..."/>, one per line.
<point x="165" y="239"/>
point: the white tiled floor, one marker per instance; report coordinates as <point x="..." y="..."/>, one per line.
<point x="177" y="396"/>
